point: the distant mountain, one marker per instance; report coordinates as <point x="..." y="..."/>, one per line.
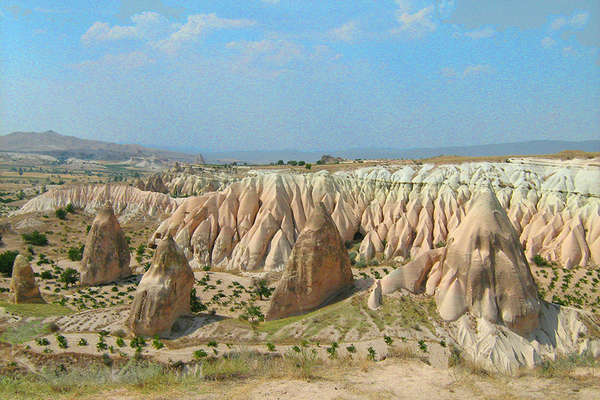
<point x="500" y="149"/>
<point x="63" y="147"/>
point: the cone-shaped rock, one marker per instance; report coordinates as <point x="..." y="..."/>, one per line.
<point x="317" y="270"/>
<point x="23" y="288"/>
<point x="163" y="293"/>
<point x="106" y="254"/>
<point x="484" y="270"/>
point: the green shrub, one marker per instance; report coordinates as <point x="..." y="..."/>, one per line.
<point x="199" y="354"/>
<point x="69" y="276"/>
<point x="76" y="253"/>
<point x="7" y="261"/>
<point x="539" y="261"/>
<point x="61" y="213"/>
<point x="62" y="341"/>
<point x="35" y="238"/>
<point x="371" y="354"/>
<point x="69" y="208"/>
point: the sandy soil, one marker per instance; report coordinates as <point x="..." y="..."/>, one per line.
<point x="390" y="379"/>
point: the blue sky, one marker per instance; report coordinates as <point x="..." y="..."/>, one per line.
<point x="304" y="75"/>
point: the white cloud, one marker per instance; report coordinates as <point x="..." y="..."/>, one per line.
<point x="570" y="51"/>
<point x="146" y="25"/>
<point x="270" y="1"/>
<point x="345" y="33"/>
<point x="101" y="31"/>
<point x="548" y="42"/>
<point x="159" y="32"/>
<point x="481" y="33"/>
<point x="195" y="26"/>
<point x="122" y="61"/>
<point x="278" y="52"/>
<point x="577" y="20"/>
<point x="469" y="70"/>
<point x="416" y="24"/>
<point x="477" y="69"/>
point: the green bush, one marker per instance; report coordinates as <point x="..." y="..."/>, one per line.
<point x="69" y="208"/>
<point x="69" y="276"/>
<point x="7" y="261"/>
<point x="76" y="253"/>
<point x="539" y="261"/>
<point x="46" y="275"/>
<point x="35" y="238"/>
<point x="61" y="213"/>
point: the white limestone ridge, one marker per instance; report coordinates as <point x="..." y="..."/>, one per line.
<point x="403" y="212"/>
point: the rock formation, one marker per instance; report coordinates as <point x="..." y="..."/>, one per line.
<point x="484" y="270"/>
<point x="153" y="183"/>
<point x="329" y="159"/>
<point x="106" y="254"/>
<point x="318" y="269"/>
<point x="126" y="200"/>
<point x="163" y="294"/>
<point x="402" y="212"/>
<point x="23" y="288"/>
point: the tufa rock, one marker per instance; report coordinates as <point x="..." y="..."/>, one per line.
<point x="154" y="183"/>
<point x="317" y="270"/>
<point x="106" y="255"/>
<point x="164" y="292"/>
<point x="484" y="270"/>
<point x="23" y="288"/>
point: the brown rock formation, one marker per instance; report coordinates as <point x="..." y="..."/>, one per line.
<point x="484" y="270"/>
<point x="106" y="254"/>
<point x="154" y="183"/>
<point x="163" y="293"/>
<point x="23" y="288"/>
<point x="318" y="269"/>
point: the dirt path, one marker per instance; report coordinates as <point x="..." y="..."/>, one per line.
<point x="390" y="379"/>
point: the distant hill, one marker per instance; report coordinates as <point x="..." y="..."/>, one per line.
<point x="500" y="149"/>
<point x="63" y="147"/>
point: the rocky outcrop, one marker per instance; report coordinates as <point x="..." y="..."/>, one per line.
<point x="23" y="288"/>
<point x="127" y="201"/>
<point x="106" y="254"/>
<point x="484" y="270"/>
<point x="485" y="291"/>
<point x="329" y="159"/>
<point x="163" y="294"/>
<point x="318" y="269"/>
<point x="401" y="213"/>
<point x="153" y="183"/>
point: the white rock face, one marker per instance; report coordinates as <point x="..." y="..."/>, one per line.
<point x="402" y="212"/>
<point x="126" y="200"/>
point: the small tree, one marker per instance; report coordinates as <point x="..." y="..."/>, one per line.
<point x="308" y="166"/>
<point x="69" y="276"/>
<point x="7" y="261"/>
<point x="61" y="213"/>
<point x="262" y="290"/>
<point x="76" y="253"/>
<point x="69" y="208"/>
<point x="253" y="315"/>
<point x="35" y="238"/>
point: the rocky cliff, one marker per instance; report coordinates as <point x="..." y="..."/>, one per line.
<point x="399" y="211"/>
<point x="126" y="200"/>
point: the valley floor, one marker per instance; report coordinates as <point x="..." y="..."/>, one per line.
<point x="388" y="379"/>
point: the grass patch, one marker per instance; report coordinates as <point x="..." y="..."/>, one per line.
<point x="564" y="366"/>
<point x="24" y="331"/>
<point x="36" y="310"/>
<point x="353" y="313"/>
